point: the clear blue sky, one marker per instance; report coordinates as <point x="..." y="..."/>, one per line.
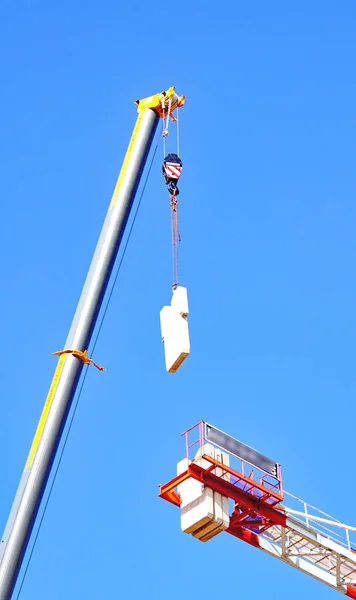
<point x="268" y="255"/>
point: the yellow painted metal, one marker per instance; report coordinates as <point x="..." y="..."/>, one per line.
<point x="126" y="160"/>
<point x="47" y="406"/>
<point x="162" y="102"/>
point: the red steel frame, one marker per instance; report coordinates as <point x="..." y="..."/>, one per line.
<point x="254" y="500"/>
<point x="256" y="510"/>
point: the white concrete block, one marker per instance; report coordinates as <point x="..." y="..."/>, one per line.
<point x="217" y="497"/>
<point x="221" y="509"/>
<point x="197" y="508"/>
<point x="221" y="518"/>
<point x="205" y="532"/>
<point x="221" y="503"/>
<point x="204" y="512"/>
<point x="179" y="301"/>
<point x="175" y="331"/>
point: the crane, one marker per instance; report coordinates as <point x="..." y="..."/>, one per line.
<point x="74" y="356"/>
<point x="224" y="485"/>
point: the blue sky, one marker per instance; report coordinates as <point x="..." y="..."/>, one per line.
<point x="268" y="250"/>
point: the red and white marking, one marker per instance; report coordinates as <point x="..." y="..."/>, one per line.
<point x="172" y="170"/>
<point x="305" y="549"/>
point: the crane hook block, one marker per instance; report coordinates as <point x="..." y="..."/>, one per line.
<point x="174" y="330"/>
<point x="171" y="169"/>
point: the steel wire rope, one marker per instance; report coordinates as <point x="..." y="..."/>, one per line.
<point x="76" y="402"/>
<point x="178" y="133"/>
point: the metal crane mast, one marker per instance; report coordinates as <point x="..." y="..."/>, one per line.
<point x="72" y="359"/>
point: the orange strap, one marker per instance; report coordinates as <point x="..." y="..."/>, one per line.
<point x="83" y="356"/>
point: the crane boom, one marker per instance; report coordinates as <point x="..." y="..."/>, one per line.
<point x="64" y="384"/>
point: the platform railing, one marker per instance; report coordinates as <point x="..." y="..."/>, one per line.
<point x="320" y="521"/>
<point x="242" y="474"/>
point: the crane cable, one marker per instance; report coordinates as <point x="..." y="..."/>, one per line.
<point x="173" y="197"/>
<point x="175" y="224"/>
<point x="165" y="123"/>
<point x="76" y="402"/>
<point x="175" y="239"/>
<point x="178" y="133"/>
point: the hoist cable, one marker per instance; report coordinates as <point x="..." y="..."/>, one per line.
<point x="175" y="239"/>
<point x="164" y="130"/>
<point x="176" y="243"/>
<point x="76" y="402"/>
<point x="173" y="246"/>
<point x="174" y="201"/>
<point x="178" y="140"/>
